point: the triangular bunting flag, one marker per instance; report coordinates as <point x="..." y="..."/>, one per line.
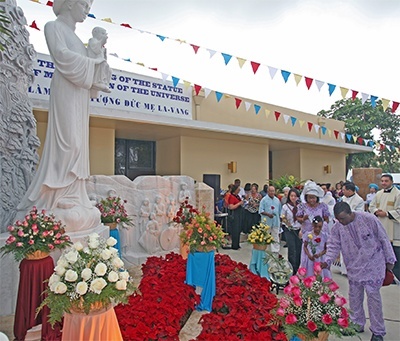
<point x="127" y="60"/>
<point x="364" y="97"/>
<point x="107" y="20"/>
<point x="114" y="55"/>
<point x="373" y="101"/>
<point x="267" y="112"/>
<point x="241" y="61"/>
<point x="162" y="38"/>
<point x="385" y="103"/>
<point x="197" y="89"/>
<point x="342" y="135"/>
<point x="272" y="71"/>
<point x="354" y="94"/>
<point x="293" y="119"/>
<point x="255" y="66"/>
<point x="90" y="15"/>
<point x="348" y="137"/>
<point x="238" y="101"/>
<point x="164" y="76"/>
<point x="218" y="95"/>
<point x="286" y="118"/>
<point x="180" y="41"/>
<point x="366" y="142"/>
<point x="371" y="143"/>
<point x="331" y="88"/>
<point x="257" y="108"/>
<point x="151" y="68"/>
<point x="395" y="105"/>
<point x="329" y="133"/>
<point x="336" y="132"/>
<point x="175" y="81"/>
<point x="247" y="105"/>
<point x="316" y="127"/>
<point x="297" y="78"/>
<point x="323" y="129"/>
<point x="227" y="57"/>
<point x="301" y="122"/>
<point x="319" y="84"/>
<point x="49" y="3"/>
<point x="186" y="84"/>
<point x="344" y="92"/>
<point x="212" y="53"/>
<point x="277" y="115"/>
<point x="309" y="125"/>
<point x="308" y="82"/>
<point x="195" y="48"/>
<point x="388" y="148"/>
<point x="285" y="75"/>
<point x="33" y="25"/>
<point x="126" y="25"/>
<point x="206" y="92"/>
<point x="360" y="140"/>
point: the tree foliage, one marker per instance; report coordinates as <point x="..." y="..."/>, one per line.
<point x="360" y="119"/>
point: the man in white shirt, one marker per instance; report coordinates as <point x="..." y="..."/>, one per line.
<point x="242" y="192"/>
<point x="350" y="196"/>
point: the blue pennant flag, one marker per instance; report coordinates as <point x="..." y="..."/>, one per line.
<point x="227" y="58"/>
<point x="257" y="108"/>
<point x="371" y="143"/>
<point x="293" y="119"/>
<point x="90" y="15"/>
<point x="161" y="37"/>
<point x="175" y="81"/>
<point x="323" y="130"/>
<point x="349" y="137"/>
<point x="285" y="75"/>
<point x="218" y="95"/>
<point x="332" y="88"/>
<point x="373" y="101"/>
<point x="127" y="60"/>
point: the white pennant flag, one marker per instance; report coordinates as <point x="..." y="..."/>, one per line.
<point x="212" y="52"/>
<point x="342" y="136"/>
<point x="364" y="97"/>
<point x="319" y="84"/>
<point x="272" y="71"/>
<point x="388" y="148"/>
<point x="286" y="118"/>
<point x="114" y="55"/>
<point x="206" y="92"/>
<point x="164" y="76"/>
<point x="366" y="142"/>
<point x="316" y="127"/>
<point x="247" y="105"/>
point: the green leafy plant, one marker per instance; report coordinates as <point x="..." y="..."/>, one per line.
<point x="286" y="181"/>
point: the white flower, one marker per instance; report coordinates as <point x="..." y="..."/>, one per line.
<point x="86" y="250"/>
<point x="97" y="285"/>
<point x="121" y="285"/>
<point x="113" y="276"/>
<point x="117" y="262"/>
<point x="71" y="256"/>
<point x="54" y="279"/>
<point x="111" y="241"/>
<point x="71" y="276"/>
<point x="60" y="270"/>
<point x="106" y="254"/>
<point x="78" y="246"/>
<point x="124" y="275"/>
<point x="94" y="236"/>
<point x="100" y="269"/>
<point x="113" y="250"/>
<point x="93" y="243"/>
<point x="81" y="288"/>
<point x="62" y="262"/>
<point x="86" y="274"/>
<point x="60" y="288"/>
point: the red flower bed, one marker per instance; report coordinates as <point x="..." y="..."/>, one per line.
<point x="164" y="303"/>
<point x="241" y="307"/>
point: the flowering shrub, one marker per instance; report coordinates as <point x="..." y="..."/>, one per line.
<point x="202" y="233"/>
<point x="37" y="232"/>
<point x="286" y="181"/>
<point x="85" y="275"/>
<point x="112" y="210"/>
<point x="260" y="234"/>
<point x="311" y="305"/>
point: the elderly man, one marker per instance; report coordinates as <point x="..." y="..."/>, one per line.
<point x="367" y="253"/>
<point x="270" y="211"/>
<point x="350" y="196"/>
<point x="386" y="206"/>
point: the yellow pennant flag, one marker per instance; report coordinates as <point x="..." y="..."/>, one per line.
<point x="227" y="96"/>
<point x="297" y="78"/>
<point x="267" y="112"/>
<point x="385" y="103"/>
<point x="140" y="63"/>
<point x="107" y="20"/>
<point x="330" y="133"/>
<point x="181" y="41"/>
<point x="186" y="84"/>
<point x="241" y="61"/>
<point x="36" y="1"/>
<point x="344" y="92"/>
<point x="354" y="138"/>
<point x="301" y="123"/>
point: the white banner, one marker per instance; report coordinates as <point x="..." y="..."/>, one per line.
<point x="129" y="92"/>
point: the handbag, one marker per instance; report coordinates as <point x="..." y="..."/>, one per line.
<point x="389" y="278"/>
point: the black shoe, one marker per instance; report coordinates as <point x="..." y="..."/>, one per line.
<point x="376" y="337"/>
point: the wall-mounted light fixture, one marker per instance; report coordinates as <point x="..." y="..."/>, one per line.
<point x="328" y="169"/>
<point x="232" y="166"/>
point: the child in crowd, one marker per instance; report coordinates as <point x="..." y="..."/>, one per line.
<point x="314" y="245"/>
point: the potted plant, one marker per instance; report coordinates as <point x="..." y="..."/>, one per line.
<point x="260" y="236"/>
<point x="312" y="308"/>
<point x="113" y="212"/>
<point x="86" y="278"/>
<point x="286" y="181"/>
<point x="35" y="236"/>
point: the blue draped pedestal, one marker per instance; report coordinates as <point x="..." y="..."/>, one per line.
<point x="200" y="271"/>
<point x="257" y="265"/>
<point x="115" y="234"/>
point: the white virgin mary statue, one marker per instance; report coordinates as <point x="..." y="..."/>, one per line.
<point x="59" y="183"/>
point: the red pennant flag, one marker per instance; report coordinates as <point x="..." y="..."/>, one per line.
<point x="153" y="68"/>
<point x="238" y="102"/>
<point x="360" y="140"/>
<point x="33" y="25"/>
<point x="308" y="82"/>
<point x="197" y="89"/>
<point x="381" y="146"/>
<point x="310" y="125"/>
<point x="395" y="106"/>
<point x="195" y="48"/>
<point x="354" y="94"/>
<point x="336" y="132"/>
<point x="126" y="25"/>
<point x="255" y="66"/>
<point x="49" y="3"/>
<point x="277" y="115"/>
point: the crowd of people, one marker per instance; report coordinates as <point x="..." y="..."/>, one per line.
<point x="322" y="223"/>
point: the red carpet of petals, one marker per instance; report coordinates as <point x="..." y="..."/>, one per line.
<point x="241" y="307"/>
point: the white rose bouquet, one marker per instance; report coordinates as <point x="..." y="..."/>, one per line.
<point x="87" y="276"/>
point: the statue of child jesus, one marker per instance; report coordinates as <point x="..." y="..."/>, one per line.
<point x="96" y="50"/>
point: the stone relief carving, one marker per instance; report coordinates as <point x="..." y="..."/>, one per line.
<point x="18" y="140"/>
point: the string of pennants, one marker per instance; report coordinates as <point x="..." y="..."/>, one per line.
<point x="257" y="108"/>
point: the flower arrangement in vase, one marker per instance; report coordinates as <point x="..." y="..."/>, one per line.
<point x="260" y="236"/>
<point x="35" y="236"/>
<point x="113" y="211"/>
<point x="87" y="278"/>
<point x="312" y="306"/>
<point x="199" y="232"/>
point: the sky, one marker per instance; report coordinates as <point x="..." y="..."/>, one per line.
<point x="349" y="43"/>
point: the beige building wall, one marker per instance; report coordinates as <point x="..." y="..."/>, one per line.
<point x="286" y="162"/>
<point x="168" y="156"/>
